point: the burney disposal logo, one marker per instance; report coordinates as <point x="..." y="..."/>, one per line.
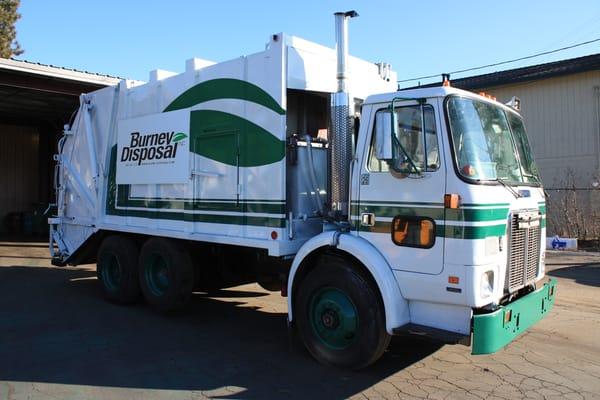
<point x="154" y="149"/>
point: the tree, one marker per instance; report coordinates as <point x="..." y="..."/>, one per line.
<point x="8" y="17"/>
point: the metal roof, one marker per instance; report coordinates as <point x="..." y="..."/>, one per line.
<point x="531" y="73"/>
<point x="525" y="74"/>
<point x="57" y="72"/>
<point x="32" y="93"/>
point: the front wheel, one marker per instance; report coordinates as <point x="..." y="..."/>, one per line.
<point x="340" y="315"/>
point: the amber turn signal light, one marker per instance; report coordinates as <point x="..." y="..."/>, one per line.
<point x="451" y="200"/>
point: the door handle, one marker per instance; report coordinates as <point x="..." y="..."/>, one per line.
<point x="367" y="219"/>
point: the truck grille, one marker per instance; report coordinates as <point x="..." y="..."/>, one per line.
<point x="524" y="249"/>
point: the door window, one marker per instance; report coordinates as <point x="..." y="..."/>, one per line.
<point x="416" y="133"/>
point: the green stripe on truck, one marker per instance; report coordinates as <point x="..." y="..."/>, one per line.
<point x="209" y="218"/>
<point x="437" y="213"/>
<point x="447" y="231"/>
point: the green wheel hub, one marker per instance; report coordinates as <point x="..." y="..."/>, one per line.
<point x="156" y="273"/>
<point x="333" y="318"/>
<point x="111" y="272"/>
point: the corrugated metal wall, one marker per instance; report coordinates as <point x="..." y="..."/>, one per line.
<point x="19" y="169"/>
<point x="562" y="118"/>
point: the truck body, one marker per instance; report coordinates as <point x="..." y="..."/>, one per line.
<point x="428" y="216"/>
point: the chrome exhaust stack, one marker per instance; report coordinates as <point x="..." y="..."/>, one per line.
<point x="341" y="123"/>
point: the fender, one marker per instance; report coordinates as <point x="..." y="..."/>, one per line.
<point x="396" y="307"/>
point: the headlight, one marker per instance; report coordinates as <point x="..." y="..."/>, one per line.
<point x="487" y="284"/>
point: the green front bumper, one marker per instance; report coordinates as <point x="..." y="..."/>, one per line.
<point x="495" y="330"/>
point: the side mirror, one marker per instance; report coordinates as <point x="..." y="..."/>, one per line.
<point x="383" y="135"/>
<point x="387" y="146"/>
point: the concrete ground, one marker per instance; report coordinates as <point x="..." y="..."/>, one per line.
<point x="60" y="340"/>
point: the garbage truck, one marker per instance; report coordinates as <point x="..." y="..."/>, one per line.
<point x="375" y="211"/>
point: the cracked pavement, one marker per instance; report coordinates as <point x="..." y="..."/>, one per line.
<point x="60" y="340"/>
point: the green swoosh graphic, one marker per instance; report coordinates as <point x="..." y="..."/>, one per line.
<point x="232" y="140"/>
<point x="224" y="89"/>
<point x="179" y="136"/>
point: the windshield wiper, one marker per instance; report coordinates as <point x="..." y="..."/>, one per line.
<point x="509" y="188"/>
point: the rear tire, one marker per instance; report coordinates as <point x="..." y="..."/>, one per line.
<point x="116" y="268"/>
<point x="166" y="274"/>
<point x="340" y="315"/>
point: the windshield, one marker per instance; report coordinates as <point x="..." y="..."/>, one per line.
<point x="489" y="142"/>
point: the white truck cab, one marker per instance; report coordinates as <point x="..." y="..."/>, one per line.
<point x="448" y="216"/>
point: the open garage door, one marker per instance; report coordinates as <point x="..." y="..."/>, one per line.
<point x="35" y="102"/>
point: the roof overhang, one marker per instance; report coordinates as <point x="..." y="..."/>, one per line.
<point x="36" y="94"/>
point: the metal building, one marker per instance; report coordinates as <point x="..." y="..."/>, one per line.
<point x="35" y="102"/>
<point x="560" y="102"/>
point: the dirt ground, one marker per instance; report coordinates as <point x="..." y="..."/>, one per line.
<point x="60" y="340"/>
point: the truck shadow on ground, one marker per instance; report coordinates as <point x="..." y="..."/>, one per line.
<point x="584" y="274"/>
<point x="56" y="328"/>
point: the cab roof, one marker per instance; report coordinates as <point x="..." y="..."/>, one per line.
<point x="430" y="92"/>
<point x="436" y="91"/>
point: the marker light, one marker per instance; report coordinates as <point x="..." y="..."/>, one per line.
<point x="451" y="200"/>
<point x="469" y="170"/>
<point x="515" y="103"/>
<point x="487" y="96"/>
<point x="446" y="80"/>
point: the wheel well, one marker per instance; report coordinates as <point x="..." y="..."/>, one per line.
<point x="310" y="262"/>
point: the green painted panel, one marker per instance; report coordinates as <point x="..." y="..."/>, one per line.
<point x="217" y="142"/>
<point x="479" y="214"/>
<point x="111" y="188"/>
<point x="224" y="89"/>
<point x="398" y="203"/>
<point x="491" y="331"/>
<point x="256" y="146"/>
<point x="485" y="205"/>
<point x="474" y="232"/>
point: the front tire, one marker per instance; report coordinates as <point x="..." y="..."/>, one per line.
<point x="166" y="274"/>
<point x="340" y="315"/>
<point x="116" y="268"/>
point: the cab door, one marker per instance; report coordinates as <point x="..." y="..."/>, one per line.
<point x="402" y="214"/>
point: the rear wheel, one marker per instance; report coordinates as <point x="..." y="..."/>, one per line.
<point x="116" y="268"/>
<point x="166" y="274"/>
<point x="340" y="315"/>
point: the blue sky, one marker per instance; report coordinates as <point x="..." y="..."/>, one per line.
<point x="128" y="38"/>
